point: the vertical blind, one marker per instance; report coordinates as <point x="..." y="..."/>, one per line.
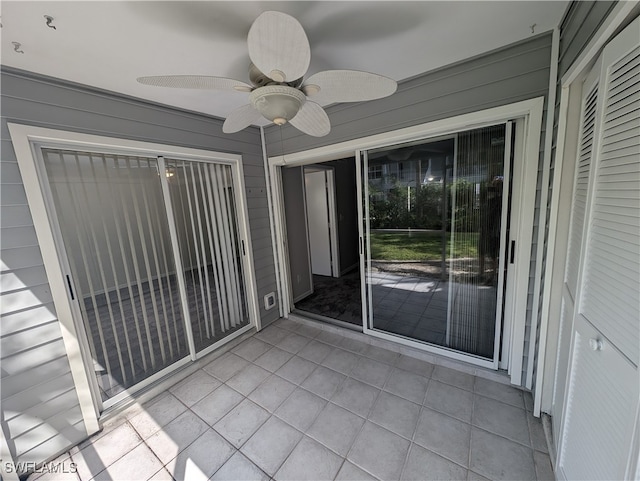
<point x="115" y="228"/>
<point x="475" y="239"/>
<point x="204" y="209"/>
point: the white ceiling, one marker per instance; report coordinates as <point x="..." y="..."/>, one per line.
<point x="109" y="44"/>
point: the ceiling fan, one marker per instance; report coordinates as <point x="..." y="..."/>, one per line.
<point x="280" y="56"/>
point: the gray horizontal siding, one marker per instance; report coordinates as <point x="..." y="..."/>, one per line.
<point x="507" y="75"/>
<point x="40" y="412"/>
<point x="504" y="76"/>
<point x="578" y="27"/>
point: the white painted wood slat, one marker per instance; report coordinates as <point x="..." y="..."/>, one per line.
<point x="581" y="188"/>
<point x="612" y="278"/>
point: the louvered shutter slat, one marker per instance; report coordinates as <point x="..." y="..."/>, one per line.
<point x="581" y="188"/>
<point x="611" y="294"/>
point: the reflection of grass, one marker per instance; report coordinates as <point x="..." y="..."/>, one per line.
<point x="420" y="246"/>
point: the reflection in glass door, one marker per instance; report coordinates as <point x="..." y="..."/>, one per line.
<point x="204" y="211"/>
<point x="436" y="233"/>
<point x="114" y="227"/>
<point x="155" y="259"/>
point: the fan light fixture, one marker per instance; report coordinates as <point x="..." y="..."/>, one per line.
<point x="280" y="55"/>
<point x="277" y="103"/>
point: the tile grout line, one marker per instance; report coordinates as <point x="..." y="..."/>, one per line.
<point x="273" y="414"/>
<point x="144" y="441"/>
<point x="413" y="435"/>
<point x="366" y="418"/>
<point x="473" y="412"/>
<point x="311" y="424"/>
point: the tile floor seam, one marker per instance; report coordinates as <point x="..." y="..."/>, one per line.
<point x="235" y="450"/>
<point x="259" y="426"/>
<point x="273" y="414"/>
<point x="468" y="467"/>
<point x="291" y="394"/>
<point x="496" y="400"/>
<point x="106" y="468"/>
<point x="275" y="471"/>
<point x="504" y="437"/>
<point x="354" y="438"/>
<point x="412" y="441"/>
<point x="366" y="418"/>
<point x="262" y="382"/>
<point x="473" y="412"/>
<point x="164" y="465"/>
<point x="144" y="441"/>
<point x="344" y="460"/>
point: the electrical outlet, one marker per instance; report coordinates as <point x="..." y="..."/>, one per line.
<point x="270" y="301"/>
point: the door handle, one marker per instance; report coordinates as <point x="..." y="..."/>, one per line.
<point x="512" y="254"/>
<point x="596" y="344"/>
<point x="70" y="288"/>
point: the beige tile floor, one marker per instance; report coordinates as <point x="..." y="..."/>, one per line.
<point x="295" y="402"/>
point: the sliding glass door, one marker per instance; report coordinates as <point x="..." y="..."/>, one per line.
<point x="436" y="220"/>
<point x="204" y="210"/>
<point x="154" y="258"/>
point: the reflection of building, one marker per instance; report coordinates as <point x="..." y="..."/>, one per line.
<point x="408" y="172"/>
<point x="410" y="166"/>
<point x="433" y="163"/>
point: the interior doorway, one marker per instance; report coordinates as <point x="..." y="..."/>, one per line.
<point x="322" y="240"/>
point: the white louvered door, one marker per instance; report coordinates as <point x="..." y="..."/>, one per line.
<point x="603" y="266"/>
<point x="586" y="149"/>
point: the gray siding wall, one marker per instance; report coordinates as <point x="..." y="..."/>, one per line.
<point x="40" y="411"/>
<point x="578" y="27"/>
<point x="504" y="76"/>
<point x="297" y="233"/>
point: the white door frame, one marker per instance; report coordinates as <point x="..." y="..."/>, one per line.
<point x="529" y="110"/>
<point x="27" y="142"/>
<point x="332" y="222"/>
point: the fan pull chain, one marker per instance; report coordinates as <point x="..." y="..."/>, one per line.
<point x="282" y="145"/>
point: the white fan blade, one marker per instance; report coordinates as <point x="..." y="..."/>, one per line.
<point x="240" y="118"/>
<point x="312" y="120"/>
<point x="279" y="47"/>
<point x="203" y="82"/>
<point x="347" y="86"/>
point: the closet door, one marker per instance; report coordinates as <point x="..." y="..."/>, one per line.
<point x="586" y="149"/>
<point x="603" y="389"/>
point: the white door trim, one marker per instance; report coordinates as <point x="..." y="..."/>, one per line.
<point x="332" y="222"/>
<point x="27" y="141"/>
<point x="531" y="110"/>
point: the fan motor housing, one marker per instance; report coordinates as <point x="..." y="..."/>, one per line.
<point x="278" y="103"/>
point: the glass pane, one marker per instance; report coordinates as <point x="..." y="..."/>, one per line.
<point x="204" y="208"/>
<point x="435" y="210"/>
<point x="114" y="226"/>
